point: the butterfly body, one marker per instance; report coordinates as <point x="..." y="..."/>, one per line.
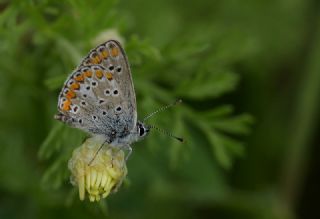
<point x="99" y="97"/>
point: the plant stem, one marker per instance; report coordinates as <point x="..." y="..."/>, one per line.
<point x="303" y="122"/>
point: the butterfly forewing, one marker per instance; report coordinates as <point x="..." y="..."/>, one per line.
<point x="112" y="57"/>
<point x="99" y="96"/>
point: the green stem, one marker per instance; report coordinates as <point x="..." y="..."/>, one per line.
<point x="303" y="122"/>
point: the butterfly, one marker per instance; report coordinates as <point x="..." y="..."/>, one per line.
<point x="98" y="97"/>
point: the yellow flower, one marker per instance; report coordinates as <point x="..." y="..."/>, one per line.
<point x="104" y="175"/>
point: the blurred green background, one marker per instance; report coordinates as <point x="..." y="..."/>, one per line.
<point x="249" y="75"/>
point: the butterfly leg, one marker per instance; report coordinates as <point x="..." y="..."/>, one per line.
<point x="129" y="149"/>
<point x="124" y="147"/>
<point x="119" y="184"/>
<point x="96" y="153"/>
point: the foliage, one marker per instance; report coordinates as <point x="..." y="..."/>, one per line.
<point x="197" y="52"/>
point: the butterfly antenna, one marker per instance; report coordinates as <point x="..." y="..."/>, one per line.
<point x="162" y="109"/>
<point x="96" y="153"/>
<point x="166" y="133"/>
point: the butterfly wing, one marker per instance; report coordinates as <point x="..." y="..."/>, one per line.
<point x="112" y="57"/>
<point x="99" y="96"/>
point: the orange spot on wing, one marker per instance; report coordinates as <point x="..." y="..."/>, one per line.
<point x="66" y="105"/>
<point x="98" y="60"/>
<point x="99" y="74"/>
<point x="109" y="76"/>
<point x="93" y="61"/>
<point x="75" y="86"/>
<point x="114" y="51"/>
<point x="70" y="94"/>
<point x="104" y="54"/>
<point x="88" y="73"/>
<point x="79" y="78"/>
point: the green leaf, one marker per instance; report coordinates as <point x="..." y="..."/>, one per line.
<point x="55" y="174"/>
<point x="240" y="124"/>
<point x="220" y="111"/>
<point x="55" y="82"/>
<point x="208" y="84"/>
<point x="47" y="149"/>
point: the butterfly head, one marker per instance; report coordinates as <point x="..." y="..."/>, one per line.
<point x="142" y="130"/>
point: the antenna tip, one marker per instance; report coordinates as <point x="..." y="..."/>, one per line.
<point x="181" y="140"/>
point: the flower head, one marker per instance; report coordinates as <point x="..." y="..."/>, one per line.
<point x="104" y="174"/>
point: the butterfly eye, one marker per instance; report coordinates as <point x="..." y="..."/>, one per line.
<point x="141" y="131"/>
<point x="80" y="121"/>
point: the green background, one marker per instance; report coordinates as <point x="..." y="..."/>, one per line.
<point x="247" y="71"/>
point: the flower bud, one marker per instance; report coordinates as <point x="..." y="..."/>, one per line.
<point x="100" y="176"/>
